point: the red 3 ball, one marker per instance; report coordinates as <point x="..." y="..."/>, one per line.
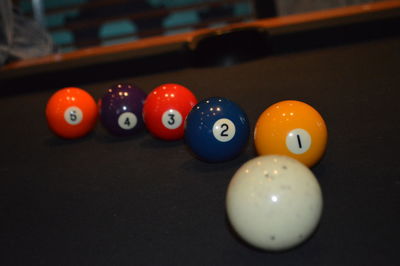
<point x="165" y="110"/>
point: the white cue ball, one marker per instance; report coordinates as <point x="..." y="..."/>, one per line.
<point x="274" y="202"/>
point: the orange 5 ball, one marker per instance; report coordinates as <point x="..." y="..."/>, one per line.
<point x="291" y="128"/>
<point x="71" y="113"/>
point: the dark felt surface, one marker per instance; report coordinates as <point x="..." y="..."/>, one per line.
<point x="102" y="200"/>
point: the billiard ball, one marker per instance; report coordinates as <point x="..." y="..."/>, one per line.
<point x="121" y="109"/>
<point x="274" y="202"/>
<point x="71" y="113"/>
<point x="217" y="129"/>
<point x="291" y="128"/>
<point x="165" y="110"/>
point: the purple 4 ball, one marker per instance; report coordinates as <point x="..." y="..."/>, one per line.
<point x="121" y="109"/>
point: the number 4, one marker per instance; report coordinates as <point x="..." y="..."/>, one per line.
<point x="127" y="122"/>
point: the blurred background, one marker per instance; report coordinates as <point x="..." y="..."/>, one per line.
<point x="74" y="24"/>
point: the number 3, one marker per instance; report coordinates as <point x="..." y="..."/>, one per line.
<point x="171" y="120"/>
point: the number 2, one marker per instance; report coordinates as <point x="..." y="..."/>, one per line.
<point x="225" y="128"/>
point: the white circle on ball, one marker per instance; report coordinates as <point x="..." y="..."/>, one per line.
<point x="298" y="141"/>
<point x="274" y="202"/>
<point x="224" y="130"/>
<point x="73" y="115"/>
<point x="127" y="120"/>
<point x="171" y="119"/>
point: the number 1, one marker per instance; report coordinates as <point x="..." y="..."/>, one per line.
<point x="299" y="141"/>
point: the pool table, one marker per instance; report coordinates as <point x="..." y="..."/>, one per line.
<point x="104" y="200"/>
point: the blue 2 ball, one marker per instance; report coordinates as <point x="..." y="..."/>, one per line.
<point x="217" y="130"/>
